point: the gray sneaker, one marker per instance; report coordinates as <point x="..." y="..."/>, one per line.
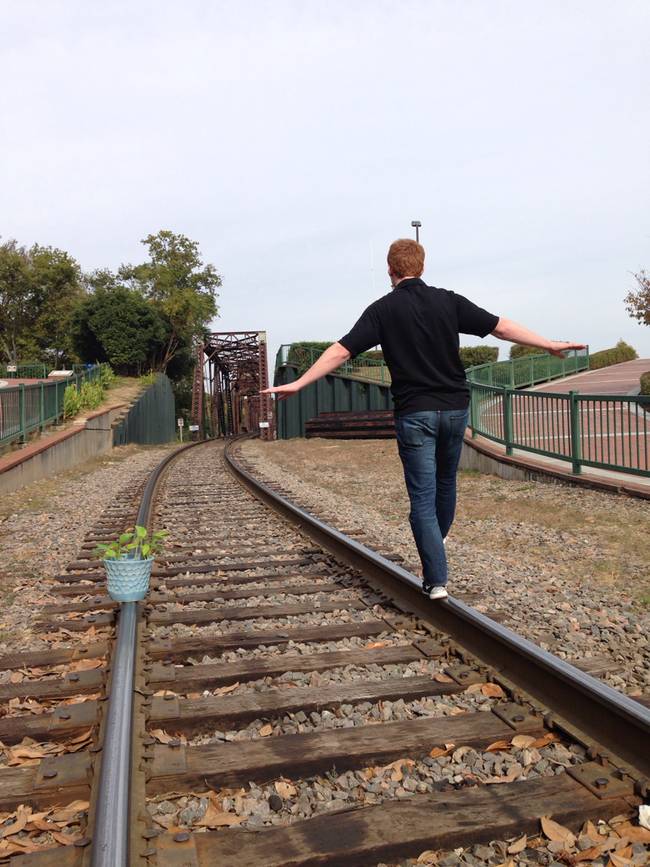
<point x="438" y="592"/>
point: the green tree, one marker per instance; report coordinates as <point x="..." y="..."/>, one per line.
<point x="57" y="292"/>
<point x="116" y="324"/>
<point x="637" y="301"/>
<point x="519" y="351"/>
<point x="39" y="289"/>
<point x="180" y="285"/>
<point x="16" y="313"/>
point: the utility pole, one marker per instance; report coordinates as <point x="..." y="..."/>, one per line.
<point x="416" y="225"/>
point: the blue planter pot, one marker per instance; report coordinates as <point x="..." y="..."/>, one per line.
<point x="128" y="579"/>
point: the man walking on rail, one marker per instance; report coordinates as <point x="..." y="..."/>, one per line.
<point x="418" y="327"/>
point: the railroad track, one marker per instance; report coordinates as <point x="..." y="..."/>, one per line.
<point x="280" y="676"/>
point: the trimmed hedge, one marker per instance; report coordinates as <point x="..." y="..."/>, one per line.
<point x="621" y="352"/>
<point x="518" y="351"/>
<point x="474" y="355"/>
<point x="645" y="383"/>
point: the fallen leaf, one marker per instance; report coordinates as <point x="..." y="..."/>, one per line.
<point x="498" y="745"/>
<point x="65" y="839"/>
<point x="428" y="857"/>
<point x="85" y="664"/>
<point x="266" y="730"/>
<point x="22" y="815"/>
<point x="285" y="790"/>
<point x="224" y="690"/>
<point x="70" y="811"/>
<point x="518" y="846"/>
<point x="215" y="818"/>
<point x="492" y="689"/>
<point x="436" y="752"/>
<point x="522" y="741"/>
<point x="443" y="678"/>
<point x="82" y="738"/>
<point x="587" y="854"/>
<point x="618" y="861"/>
<point x="555" y="831"/>
<point x="374" y="644"/>
<point x="545" y="741"/>
<point x="161" y="736"/>
<point x="474" y="687"/>
<point x="633" y="833"/>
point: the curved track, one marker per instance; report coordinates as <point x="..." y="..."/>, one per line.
<point x="284" y="675"/>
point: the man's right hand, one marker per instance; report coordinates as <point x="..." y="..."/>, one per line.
<point x="559" y="347"/>
<point x="283" y="391"/>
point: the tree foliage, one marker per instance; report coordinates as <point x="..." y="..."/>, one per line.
<point x="180" y="285"/>
<point x="519" y="351"/>
<point x="117" y="325"/>
<point x="39" y="289"/>
<point x="637" y="301"/>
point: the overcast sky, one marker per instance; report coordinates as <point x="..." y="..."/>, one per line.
<point x="295" y="140"/>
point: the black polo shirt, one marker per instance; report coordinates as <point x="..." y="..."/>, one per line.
<point x="418" y="327"/>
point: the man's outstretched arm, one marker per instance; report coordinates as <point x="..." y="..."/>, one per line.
<point x="508" y="330"/>
<point x="333" y="357"/>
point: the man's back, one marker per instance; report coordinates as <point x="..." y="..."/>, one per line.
<point x="418" y="327"/>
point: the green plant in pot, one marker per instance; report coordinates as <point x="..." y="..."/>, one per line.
<point x="128" y="561"/>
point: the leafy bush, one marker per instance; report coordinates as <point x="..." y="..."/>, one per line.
<point x="71" y="401"/>
<point x="106" y="376"/>
<point x="91" y="395"/>
<point x="645" y="383"/>
<point x="517" y="351"/>
<point x="621" y="352"/>
<point x="474" y="355"/>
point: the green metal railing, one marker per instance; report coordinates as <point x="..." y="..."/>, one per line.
<point x="605" y="431"/>
<point x="26" y="408"/>
<point x="528" y="370"/>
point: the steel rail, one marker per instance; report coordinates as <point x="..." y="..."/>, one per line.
<point x="603" y="714"/>
<point x="110" y="838"/>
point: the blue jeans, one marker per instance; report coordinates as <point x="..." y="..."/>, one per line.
<point x="429" y="445"/>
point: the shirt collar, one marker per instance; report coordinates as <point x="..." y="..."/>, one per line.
<point x="410" y="283"/>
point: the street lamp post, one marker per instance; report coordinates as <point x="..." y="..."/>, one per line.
<point x="416" y="225"/>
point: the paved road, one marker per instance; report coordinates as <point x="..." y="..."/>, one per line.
<point x="614" y="432"/>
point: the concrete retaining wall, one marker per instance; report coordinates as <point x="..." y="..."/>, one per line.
<point x="55" y="453"/>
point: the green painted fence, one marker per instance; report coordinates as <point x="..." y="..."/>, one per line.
<point x="151" y="420"/>
<point x="528" y="370"/>
<point x="27" y="408"/>
<point x="332" y="393"/>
